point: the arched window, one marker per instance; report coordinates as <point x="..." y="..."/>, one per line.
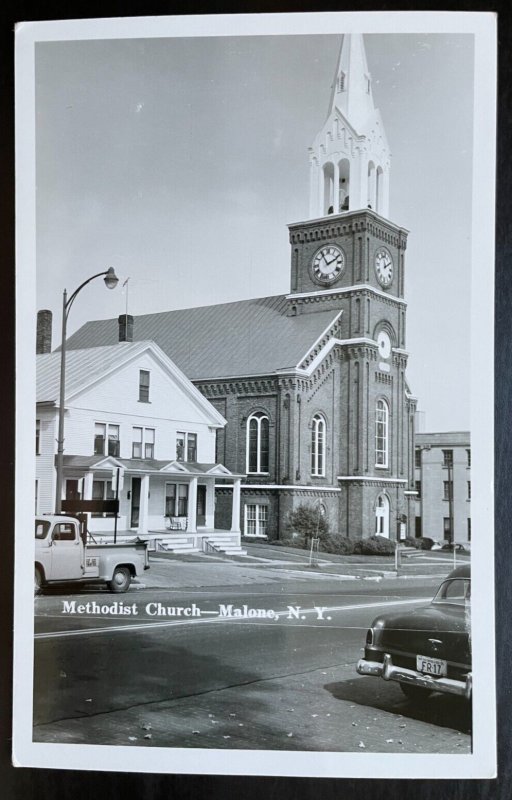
<point x="381" y="433"/>
<point x="257" y="443"/>
<point x="318" y="445"/>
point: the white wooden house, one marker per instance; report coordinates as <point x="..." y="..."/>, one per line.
<point x="131" y="415"/>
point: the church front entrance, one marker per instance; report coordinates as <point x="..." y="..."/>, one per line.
<point x="382" y="516"/>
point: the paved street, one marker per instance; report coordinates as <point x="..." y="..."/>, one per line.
<point x="134" y="669"/>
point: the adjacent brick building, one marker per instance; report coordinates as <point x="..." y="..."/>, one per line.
<point x="312" y="383"/>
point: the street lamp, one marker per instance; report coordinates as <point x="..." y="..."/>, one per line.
<point x="111" y="281"/>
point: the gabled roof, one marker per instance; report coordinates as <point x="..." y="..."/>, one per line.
<point x="243" y="338"/>
<point x="86" y="366"/>
<point x="148" y="465"/>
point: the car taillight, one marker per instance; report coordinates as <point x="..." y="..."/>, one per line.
<point x="369" y="636"/>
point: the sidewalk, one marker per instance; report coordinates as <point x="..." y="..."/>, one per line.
<point x="174" y="571"/>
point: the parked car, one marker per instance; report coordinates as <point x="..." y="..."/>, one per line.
<point x="428" y="649"/>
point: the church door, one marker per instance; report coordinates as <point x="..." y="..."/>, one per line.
<point x="382" y="516"/>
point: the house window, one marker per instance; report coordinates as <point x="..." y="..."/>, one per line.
<point x="102" y="490"/>
<point x="418" y="489"/>
<point x="143" y="386"/>
<point x="447" y="528"/>
<point x="447" y="490"/>
<point x="256" y="518"/>
<point x="469" y="529"/>
<point x="186" y="446"/>
<point x="468" y="454"/>
<point x="381" y="433"/>
<point x="341" y="81"/>
<point x="192" y="447"/>
<point x="106" y="439"/>
<point x="318" y="446"/>
<point x="469" y="490"/>
<point x="176" y="499"/>
<point x="257" y="443"/>
<point x="38" y="437"/>
<point x="143" y="443"/>
<point x="447" y="458"/>
<point x="417" y="458"/>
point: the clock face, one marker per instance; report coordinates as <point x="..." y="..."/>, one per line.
<point x="384" y="267"/>
<point x="384" y="344"/>
<point x="328" y="264"/>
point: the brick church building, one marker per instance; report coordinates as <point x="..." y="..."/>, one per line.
<point x="312" y="383"/>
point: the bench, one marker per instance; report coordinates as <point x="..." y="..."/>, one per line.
<point x="177" y="523"/>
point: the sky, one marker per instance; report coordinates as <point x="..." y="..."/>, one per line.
<point x="181" y="161"/>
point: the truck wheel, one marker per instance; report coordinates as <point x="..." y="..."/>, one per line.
<point x="121" y="580"/>
<point x="416" y="693"/>
<point x="38" y="581"/>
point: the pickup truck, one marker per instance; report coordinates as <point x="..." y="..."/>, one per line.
<point x="63" y="555"/>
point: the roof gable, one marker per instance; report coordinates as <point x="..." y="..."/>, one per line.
<point x="89" y="368"/>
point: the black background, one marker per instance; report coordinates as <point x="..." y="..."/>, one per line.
<point x="61" y="784"/>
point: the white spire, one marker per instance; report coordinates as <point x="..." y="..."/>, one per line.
<point x="350" y="157"/>
<point x="351" y="91"/>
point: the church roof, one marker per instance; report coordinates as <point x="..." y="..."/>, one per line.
<point x="242" y="338"/>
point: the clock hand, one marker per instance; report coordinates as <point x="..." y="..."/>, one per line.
<point x="332" y="259"/>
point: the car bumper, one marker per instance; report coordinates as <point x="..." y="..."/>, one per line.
<point x="387" y="670"/>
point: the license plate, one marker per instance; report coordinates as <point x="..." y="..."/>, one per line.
<point x="431" y="666"/>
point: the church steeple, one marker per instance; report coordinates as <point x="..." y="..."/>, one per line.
<point x="351" y="91"/>
<point x="350" y="156"/>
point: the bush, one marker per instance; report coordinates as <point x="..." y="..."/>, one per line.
<point x="425" y="543"/>
<point x="410" y="542"/>
<point x="339" y="545"/>
<point x="374" y="546"/>
<point x="308" y="523"/>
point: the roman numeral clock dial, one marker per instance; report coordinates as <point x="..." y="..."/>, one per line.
<point x="384" y="267"/>
<point x="328" y="264"/>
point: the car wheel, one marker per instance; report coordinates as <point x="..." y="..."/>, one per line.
<point x="38" y="582"/>
<point x="415" y="692"/>
<point x="120" y="580"/>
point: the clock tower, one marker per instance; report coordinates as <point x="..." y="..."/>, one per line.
<point x="349" y="257"/>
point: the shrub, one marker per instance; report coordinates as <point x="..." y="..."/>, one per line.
<point x="425" y="543"/>
<point x="308" y="523"/>
<point x="374" y="546"/>
<point x="339" y="545"/>
<point x="410" y="542"/>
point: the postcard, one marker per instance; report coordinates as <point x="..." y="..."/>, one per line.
<point x="255" y="268"/>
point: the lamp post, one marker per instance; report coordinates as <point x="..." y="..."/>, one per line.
<point x="111" y="281"/>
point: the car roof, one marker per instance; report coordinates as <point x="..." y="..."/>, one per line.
<point x="463" y="571"/>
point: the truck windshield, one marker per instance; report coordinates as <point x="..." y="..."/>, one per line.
<point x="42" y="528"/>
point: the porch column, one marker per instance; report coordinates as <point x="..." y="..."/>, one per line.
<point x="144" y="505"/>
<point x="192" y="506"/>
<point x="235" y="509"/>
<point x="87" y="491"/>
<point x="87" y="486"/>
<point x="210" y="504"/>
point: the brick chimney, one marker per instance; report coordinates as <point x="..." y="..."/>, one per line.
<point x="125" y="328"/>
<point x="44" y="332"/>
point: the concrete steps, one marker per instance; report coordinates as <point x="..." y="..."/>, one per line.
<point x="178" y="544"/>
<point x="223" y="543"/>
